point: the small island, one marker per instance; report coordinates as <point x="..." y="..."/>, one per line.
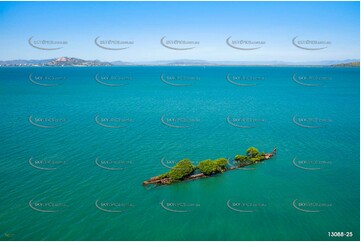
<point x="184" y="170"/>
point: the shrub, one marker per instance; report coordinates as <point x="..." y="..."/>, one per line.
<point x="255" y="159"/>
<point x="252" y="152"/>
<point x="182" y="169"/>
<point x="240" y="158"/>
<point x="221" y="162"/>
<point x="207" y="167"/>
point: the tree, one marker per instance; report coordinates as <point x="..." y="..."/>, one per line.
<point x="240" y="158"/>
<point x="221" y="163"/>
<point x="182" y="169"/>
<point x="207" y="167"/>
<point x="252" y="152"/>
<point x="256" y="159"/>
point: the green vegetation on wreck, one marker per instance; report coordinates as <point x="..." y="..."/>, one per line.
<point x="181" y="170"/>
<point x="252" y="156"/>
<point x="185" y="170"/>
<point x="209" y="167"/>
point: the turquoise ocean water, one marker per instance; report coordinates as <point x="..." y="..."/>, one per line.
<point x="75" y="152"/>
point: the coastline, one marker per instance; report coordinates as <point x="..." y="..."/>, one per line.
<point x="282" y="66"/>
<point x="76" y="62"/>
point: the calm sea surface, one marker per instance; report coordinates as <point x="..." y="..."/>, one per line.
<point x="77" y="143"/>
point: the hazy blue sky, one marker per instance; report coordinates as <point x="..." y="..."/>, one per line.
<point x="210" y="23"/>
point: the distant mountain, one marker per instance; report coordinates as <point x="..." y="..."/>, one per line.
<point x="68" y="61"/>
<point x="62" y="61"/>
<point x="326" y="62"/>
<point x="120" y="63"/>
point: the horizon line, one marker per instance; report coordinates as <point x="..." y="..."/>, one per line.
<point x="169" y="60"/>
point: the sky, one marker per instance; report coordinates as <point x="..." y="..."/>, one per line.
<point x="209" y="23"/>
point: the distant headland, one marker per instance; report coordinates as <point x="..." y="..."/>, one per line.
<point x="76" y="62"/>
<point x="57" y="62"/>
<point x="184" y="170"/>
<point x="349" y="64"/>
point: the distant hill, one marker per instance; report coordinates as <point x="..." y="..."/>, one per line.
<point x="350" y="64"/>
<point x="62" y="61"/>
<point x="69" y="61"/>
<point x="66" y="61"/>
<point x="121" y="63"/>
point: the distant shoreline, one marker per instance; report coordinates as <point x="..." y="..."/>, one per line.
<point x="283" y="66"/>
<point x="75" y="62"/>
